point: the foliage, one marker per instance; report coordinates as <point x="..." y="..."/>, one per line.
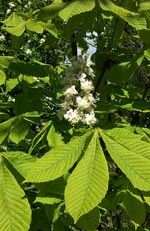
<point x="74" y="131"/>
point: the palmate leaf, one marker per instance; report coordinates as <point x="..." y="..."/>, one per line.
<point x="57" y="161"/>
<point x="134" y="165"/>
<point x="15" y="212"/>
<point x="88" y="183"/>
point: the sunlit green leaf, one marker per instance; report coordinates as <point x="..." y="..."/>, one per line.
<point x="19" y="131"/>
<point x="54" y="138"/>
<point x="88" y="183"/>
<point x="5" y="128"/>
<point x="15" y="212"/>
<point x="34" y="26"/>
<point x="76" y="7"/>
<point x="131" y="17"/>
<point x="20" y="161"/>
<point x="57" y="161"/>
<point x="135" y="166"/>
<point x="2" y="77"/>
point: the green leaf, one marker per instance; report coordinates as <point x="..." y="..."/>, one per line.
<point x="146" y="196"/>
<point x="19" y="131"/>
<point x="2" y="77"/>
<point x="51" y="28"/>
<point x="11" y="84"/>
<point x="54" y="138"/>
<point x="28" y="101"/>
<point x="29" y="69"/>
<point x="50" y="11"/>
<point x="14" y="25"/>
<point x="15" y="212"/>
<point x="17" y="31"/>
<point x="147" y="52"/>
<point x="145" y="36"/>
<point x="20" y="161"/>
<point x="134" y="207"/>
<point x="88" y="183"/>
<point x="48" y="199"/>
<point x="56" y="186"/>
<point x="124" y="71"/>
<point x="132" y="18"/>
<point x="34" y="26"/>
<point x="131" y="141"/>
<point x="51" y="192"/>
<point x="89" y="221"/>
<point x="76" y="7"/>
<point x="144" y="6"/>
<point x="134" y="105"/>
<point x="13" y="20"/>
<point x="5" y="128"/>
<point x="57" y="161"/>
<point x="6" y="60"/>
<point x="36" y="140"/>
<point x="135" y="166"/>
<point x="17" y="42"/>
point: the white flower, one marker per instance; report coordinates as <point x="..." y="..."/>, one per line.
<point x="11" y="4"/>
<point x="82" y="103"/>
<point x="26" y="6"/>
<point x="87" y="86"/>
<point x="89" y="119"/>
<point x="42" y="40"/>
<point x="2" y="37"/>
<point x="79" y="108"/>
<point x="91" y="98"/>
<point x="82" y="76"/>
<point x="67" y="103"/>
<point x="29" y="3"/>
<point x="28" y="52"/>
<point x="90" y="72"/>
<point x="88" y="61"/>
<point x="72" y="116"/>
<point x="71" y="91"/>
<point x="8" y="11"/>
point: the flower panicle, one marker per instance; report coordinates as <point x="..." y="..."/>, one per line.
<point x="79" y="103"/>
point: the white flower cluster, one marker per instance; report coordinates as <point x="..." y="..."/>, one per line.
<point x="79" y="102"/>
<point x="2" y="37"/>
